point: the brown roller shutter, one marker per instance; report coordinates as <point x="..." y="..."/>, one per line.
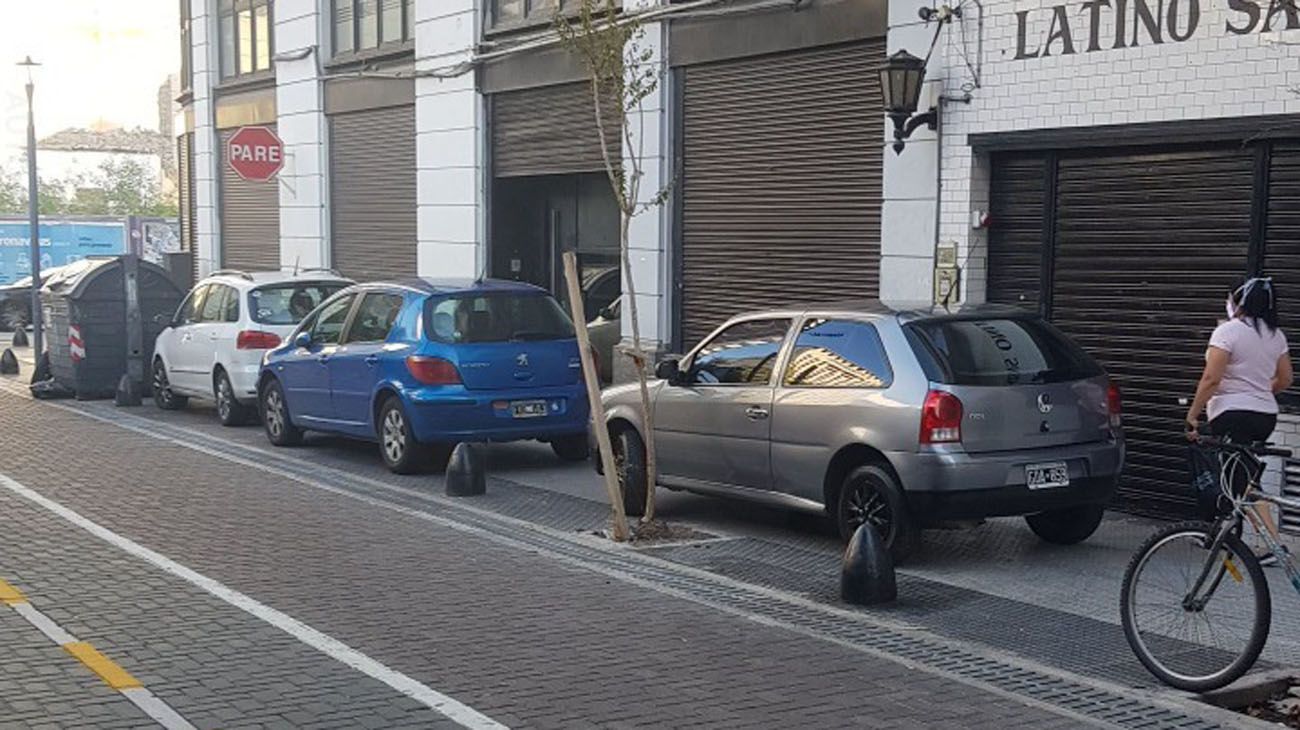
<point x="781" y="182"/>
<point x="1017" y="192"/>
<point x="1282" y="262"/>
<point x="549" y="131"/>
<point x="186" y="198"/>
<point x="250" y="218"/>
<point x="373" y="193"/>
<point x="1147" y="245"/>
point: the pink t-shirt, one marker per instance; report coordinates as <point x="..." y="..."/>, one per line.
<point x="1247" y="383"/>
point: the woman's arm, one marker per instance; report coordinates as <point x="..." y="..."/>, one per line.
<point x="1283" y="377"/>
<point x="1216" y="361"/>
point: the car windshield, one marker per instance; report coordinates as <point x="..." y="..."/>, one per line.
<point x="288" y="303"/>
<point x="499" y="317"/>
<point x="995" y="351"/>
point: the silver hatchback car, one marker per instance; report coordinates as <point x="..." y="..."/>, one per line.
<point x="898" y="418"/>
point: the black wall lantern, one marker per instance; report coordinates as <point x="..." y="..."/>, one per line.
<point x="901" y="79"/>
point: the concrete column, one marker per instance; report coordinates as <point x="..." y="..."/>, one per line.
<point x="911" y="197"/>
<point x="299" y="102"/>
<point x="203" y="23"/>
<point x="450" y="146"/>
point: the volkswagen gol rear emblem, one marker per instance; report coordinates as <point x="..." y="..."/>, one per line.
<point x="522" y="359"/>
<point x="1044" y="403"/>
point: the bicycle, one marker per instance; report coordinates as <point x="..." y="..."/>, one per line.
<point x="1195" y="604"/>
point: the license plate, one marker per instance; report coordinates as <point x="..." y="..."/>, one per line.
<point x="1047" y="476"/>
<point x="528" y="408"/>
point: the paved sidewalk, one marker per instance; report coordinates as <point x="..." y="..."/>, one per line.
<point x="522" y="638"/>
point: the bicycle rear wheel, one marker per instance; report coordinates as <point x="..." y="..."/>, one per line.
<point x="1215" y="639"/>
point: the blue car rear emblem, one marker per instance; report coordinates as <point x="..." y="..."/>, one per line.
<point x="522" y="359"/>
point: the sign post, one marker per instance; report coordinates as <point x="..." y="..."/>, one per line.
<point x="255" y="153"/>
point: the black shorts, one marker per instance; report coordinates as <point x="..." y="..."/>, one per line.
<point x="1244" y="427"/>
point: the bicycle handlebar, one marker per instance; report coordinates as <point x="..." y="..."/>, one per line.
<point x="1258" y="448"/>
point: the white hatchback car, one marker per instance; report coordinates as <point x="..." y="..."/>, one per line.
<point x="213" y="348"/>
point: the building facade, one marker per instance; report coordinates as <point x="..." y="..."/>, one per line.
<point x="1112" y="163"/>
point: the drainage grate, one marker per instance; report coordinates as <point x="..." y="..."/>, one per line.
<point x="845" y="627"/>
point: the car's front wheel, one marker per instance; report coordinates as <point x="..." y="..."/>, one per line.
<point x="1067" y="526"/>
<point x="163" y="397"/>
<point x="871" y="495"/>
<point x="275" y="417"/>
<point x="229" y="410"/>
<point x="571" y="448"/>
<point x="629" y="463"/>
<point x="402" y="453"/>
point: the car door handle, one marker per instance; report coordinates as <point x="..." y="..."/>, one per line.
<point x="322" y="359"/>
<point x="213" y="337"/>
<point x="754" y="413"/>
<point x="372" y="359"/>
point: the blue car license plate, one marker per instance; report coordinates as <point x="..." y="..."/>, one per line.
<point x="1047" y="476"/>
<point x="528" y="408"/>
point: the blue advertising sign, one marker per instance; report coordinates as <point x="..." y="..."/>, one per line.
<point x="61" y="243"/>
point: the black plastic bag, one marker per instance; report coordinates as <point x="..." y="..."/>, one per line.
<point x="1206" y="471"/>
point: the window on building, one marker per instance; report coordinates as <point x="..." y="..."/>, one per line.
<point x="508" y="13"/>
<point x="247" y="41"/>
<point x="361" y="25"/>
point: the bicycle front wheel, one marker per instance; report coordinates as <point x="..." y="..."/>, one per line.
<point x="1195" y="642"/>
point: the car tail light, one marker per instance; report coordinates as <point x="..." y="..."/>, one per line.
<point x="432" y="370"/>
<point x="255" y="340"/>
<point x="941" y="418"/>
<point x="1114" y="405"/>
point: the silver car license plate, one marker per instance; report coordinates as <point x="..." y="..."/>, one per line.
<point x="528" y="408"/>
<point x="1046" y="476"/>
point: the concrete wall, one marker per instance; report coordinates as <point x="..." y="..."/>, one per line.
<point x="203" y="14"/>
<point x="301" y="125"/>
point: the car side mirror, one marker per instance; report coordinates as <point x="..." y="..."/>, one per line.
<point x="303" y="339"/>
<point x="163" y="320"/>
<point x="606" y="313"/>
<point x="670" y="370"/>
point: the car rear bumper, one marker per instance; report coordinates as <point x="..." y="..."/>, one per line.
<point x="958" y="485"/>
<point x="444" y="414"/>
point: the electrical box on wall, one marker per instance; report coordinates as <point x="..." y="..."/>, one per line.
<point x="947" y="275"/>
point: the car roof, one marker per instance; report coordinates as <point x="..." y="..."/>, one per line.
<point x="426" y="285"/>
<point x="903" y="312"/>
<point x="261" y="278"/>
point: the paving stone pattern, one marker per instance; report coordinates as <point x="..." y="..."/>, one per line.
<point x="526" y="640"/>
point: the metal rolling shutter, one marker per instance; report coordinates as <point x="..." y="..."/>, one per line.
<point x="549" y="130"/>
<point x="1147" y="244"/>
<point x="186" y="198"/>
<point x="373" y="193"/>
<point x="1282" y="262"/>
<point x="781" y="182"/>
<point x="1018" y="187"/>
<point x="250" y="218"/>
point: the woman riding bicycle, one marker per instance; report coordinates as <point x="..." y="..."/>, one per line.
<point x="1246" y="365"/>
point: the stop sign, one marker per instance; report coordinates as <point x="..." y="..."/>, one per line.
<point x="255" y="153"/>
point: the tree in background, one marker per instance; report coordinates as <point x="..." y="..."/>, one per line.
<point x="622" y="74"/>
<point x="116" y="188"/>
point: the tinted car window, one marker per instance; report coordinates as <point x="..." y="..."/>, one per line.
<point x="744" y="353"/>
<point x="214" y="303"/>
<point x="329" y="324"/>
<point x="375" y="317"/>
<point x="838" y="354"/>
<point x="1000" y="352"/>
<point x="230" y="306"/>
<point x="190" y="308"/>
<point x="288" y="303"/>
<point x="496" y="318"/>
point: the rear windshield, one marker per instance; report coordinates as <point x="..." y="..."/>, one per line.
<point x="288" y="303"/>
<point x="496" y="318"/>
<point x="998" y="352"/>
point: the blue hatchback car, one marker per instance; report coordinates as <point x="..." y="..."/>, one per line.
<point x="420" y="365"/>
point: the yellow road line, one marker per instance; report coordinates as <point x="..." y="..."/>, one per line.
<point x="107" y="669"/>
<point x="10" y="595"/>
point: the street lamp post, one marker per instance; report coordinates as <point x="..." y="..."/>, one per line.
<point x="33" y="214"/>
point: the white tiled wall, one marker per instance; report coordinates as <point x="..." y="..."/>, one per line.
<point x="299" y="102"/>
<point x="204" y="64"/>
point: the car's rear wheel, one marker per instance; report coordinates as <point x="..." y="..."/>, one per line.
<point x="229" y="410"/>
<point x="871" y="495"/>
<point x="1067" y="526"/>
<point x="275" y="417"/>
<point x="163" y="397"/>
<point x="402" y="453"/>
<point x="629" y="464"/>
<point x="571" y="448"/>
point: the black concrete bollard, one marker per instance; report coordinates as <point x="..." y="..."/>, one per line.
<point x="20" y="337"/>
<point x="42" y="372"/>
<point x="466" y="472"/>
<point x="8" y="363"/>
<point x="867" y="574"/>
<point x="128" y="393"/>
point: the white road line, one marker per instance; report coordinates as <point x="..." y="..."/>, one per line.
<point x="52" y="631"/>
<point x="160" y="711"/>
<point x="462" y="714"/>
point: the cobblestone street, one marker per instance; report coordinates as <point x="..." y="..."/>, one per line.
<point x="244" y="586"/>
